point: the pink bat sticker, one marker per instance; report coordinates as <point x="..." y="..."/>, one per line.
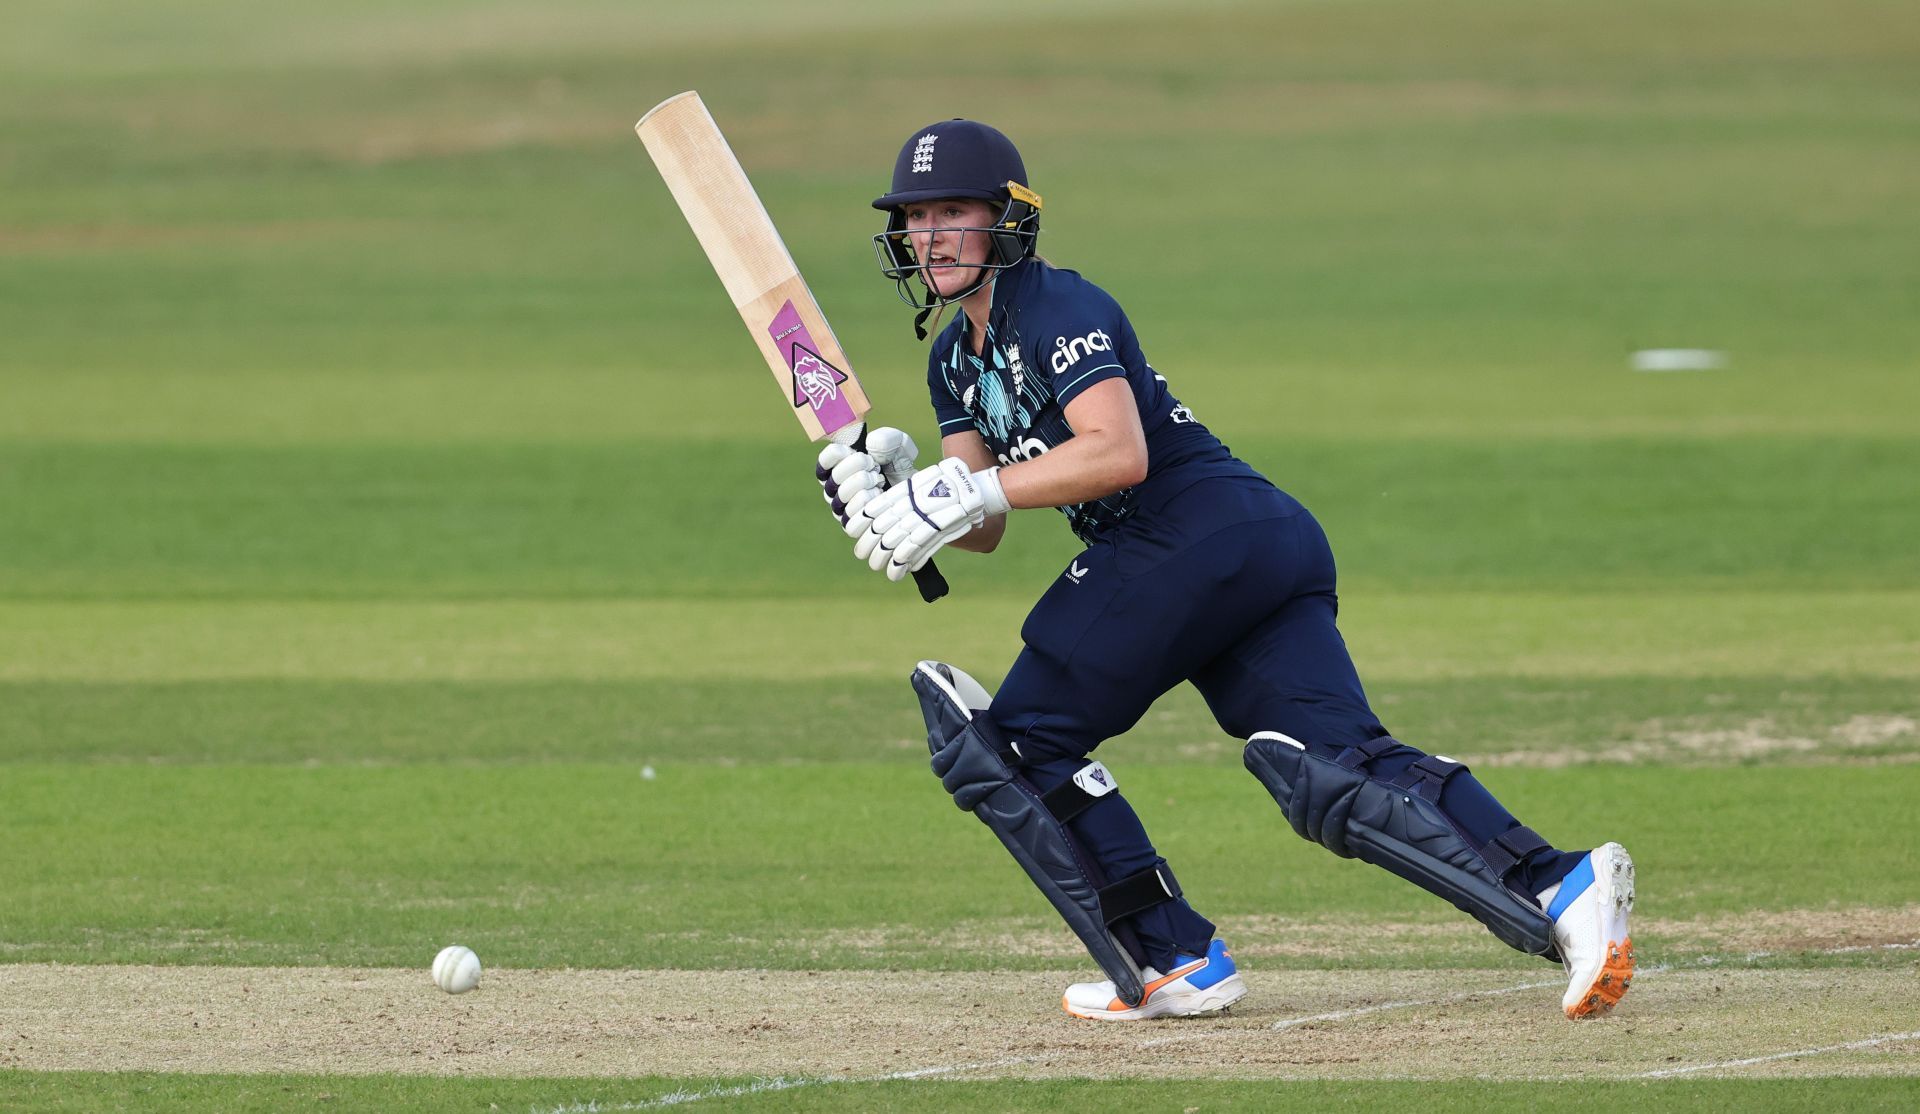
<point x="816" y="382"/>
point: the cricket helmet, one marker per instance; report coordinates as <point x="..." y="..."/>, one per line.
<point x="957" y="158"/>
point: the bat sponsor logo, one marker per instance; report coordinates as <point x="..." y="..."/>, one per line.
<point x="816" y="383"/>
<point x="816" y="379"/>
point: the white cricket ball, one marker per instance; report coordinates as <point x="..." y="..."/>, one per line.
<point x="456" y="970"/>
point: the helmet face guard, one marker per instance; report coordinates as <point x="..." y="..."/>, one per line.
<point x="1010" y="239"/>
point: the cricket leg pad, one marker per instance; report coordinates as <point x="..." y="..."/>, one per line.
<point x="1330" y="798"/>
<point x="980" y="769"/>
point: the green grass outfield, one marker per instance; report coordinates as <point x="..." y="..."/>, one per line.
<point x="591" y="865"/>
<point x="385" y="484"/>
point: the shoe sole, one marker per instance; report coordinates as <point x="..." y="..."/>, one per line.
<point x="1614" y="876"/>
<point x="1212" y="1000"/>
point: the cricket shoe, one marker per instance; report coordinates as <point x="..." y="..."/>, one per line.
<point x="1589" y="908"/>
<point x="1196" y="986"/>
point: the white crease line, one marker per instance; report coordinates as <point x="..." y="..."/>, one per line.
<point x="1850" y="1046"/>
<point x="675" y="1098"/>
<point x="1870" y="948"/>
<point x="1341" y="1015"/>
<point x="680" y="1098"/>
<point x="782" y="1083"/>
<point x="1361" y="1011"/>
<point x="1756" y="956"/>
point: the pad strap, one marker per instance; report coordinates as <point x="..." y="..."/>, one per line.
<point x="1075" y="795"/>
<point x="1138" y="892"/>
<point x="968" y="755"/>
<point x="1357" y="755"/>
<point x="1428" y="776"/>
<point x="1351" y="813"/>
<point x="1511" y="848"/>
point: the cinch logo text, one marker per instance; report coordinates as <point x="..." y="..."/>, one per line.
<point x="1025" y="449"/>
<point x="1068" y="352"/>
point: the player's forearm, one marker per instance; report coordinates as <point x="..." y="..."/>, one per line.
<point x="1091" y="465"/>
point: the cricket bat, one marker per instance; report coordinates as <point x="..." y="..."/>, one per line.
<point x="754" y="265"/>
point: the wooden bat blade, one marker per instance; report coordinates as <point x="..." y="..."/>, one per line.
<point x="753" y="263"/>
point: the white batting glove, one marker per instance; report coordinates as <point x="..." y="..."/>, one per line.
<point x="907" y="523"/>
<point x="894" y="452"/>
<point x="849" y="479"/>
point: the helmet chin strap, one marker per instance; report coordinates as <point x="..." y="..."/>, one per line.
<point x="920" y="319"/>
<point x="987" y="276"/>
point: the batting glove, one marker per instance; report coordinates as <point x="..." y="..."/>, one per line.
<point x="908" y="523"/>
<point x="849" y="479"/>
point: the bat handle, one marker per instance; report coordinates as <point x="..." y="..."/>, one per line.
<point x="927" y="577"/>
<point x="931" y="584"/>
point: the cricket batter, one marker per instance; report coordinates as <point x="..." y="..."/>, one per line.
<point x="1196" y="568"/>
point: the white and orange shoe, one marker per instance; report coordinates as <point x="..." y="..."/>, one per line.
<point x="1589" y="908"/>
<point x="1197" y="985"/>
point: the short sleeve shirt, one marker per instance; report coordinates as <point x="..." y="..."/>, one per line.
<point x="1051" y="335"/>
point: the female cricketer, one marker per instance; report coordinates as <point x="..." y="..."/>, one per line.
<point x="1197" y="569"/>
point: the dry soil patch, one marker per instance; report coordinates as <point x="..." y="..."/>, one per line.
<point x="1295" y="1024"/>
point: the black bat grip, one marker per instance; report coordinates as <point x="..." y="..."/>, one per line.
<point x="927" y="577"/>
<point x="931" y="584"/>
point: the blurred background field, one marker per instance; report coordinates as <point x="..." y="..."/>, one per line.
<point x="385" y="477"/>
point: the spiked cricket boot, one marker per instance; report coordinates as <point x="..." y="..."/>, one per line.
<point x="1589" y="908"/>
<point x="1196" y="986"/>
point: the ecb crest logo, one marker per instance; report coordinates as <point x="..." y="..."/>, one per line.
<point x="1016" y="365"/>
<point x="923" y="153"/>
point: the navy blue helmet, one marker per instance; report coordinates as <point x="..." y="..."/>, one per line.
<point x="957" y="158"/>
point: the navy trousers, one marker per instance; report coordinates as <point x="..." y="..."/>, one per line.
<point x="1228" y="584"/>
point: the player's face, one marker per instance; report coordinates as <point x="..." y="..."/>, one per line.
<point x="933" y="232"/>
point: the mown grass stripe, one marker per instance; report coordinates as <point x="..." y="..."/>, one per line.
<point x="704" y="867"/>
<point x="1537" y="722"/>
<point x="1393" y="636"/>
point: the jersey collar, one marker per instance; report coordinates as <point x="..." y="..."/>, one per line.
<point x="1007" y="287"/>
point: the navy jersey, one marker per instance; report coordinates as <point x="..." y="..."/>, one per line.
<point x="1051" y="335"/>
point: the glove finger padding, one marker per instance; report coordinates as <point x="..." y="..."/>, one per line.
<point x="852" y="497"/>
<point x="844" y="476"/>
<point x="902" y="526"/>
<point x="889" y="507"/>
<point x="855" y="523"/>
<point x="876" y="517"/>
<point x="855" y="466"/>
<point x="865" y="544"/>
<point x="920" y="546"/>
<point x="914" y="532"/>
<point x="830" y="456"/>
<point x="893" y="451"/>
<point x="880" y="553"/>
